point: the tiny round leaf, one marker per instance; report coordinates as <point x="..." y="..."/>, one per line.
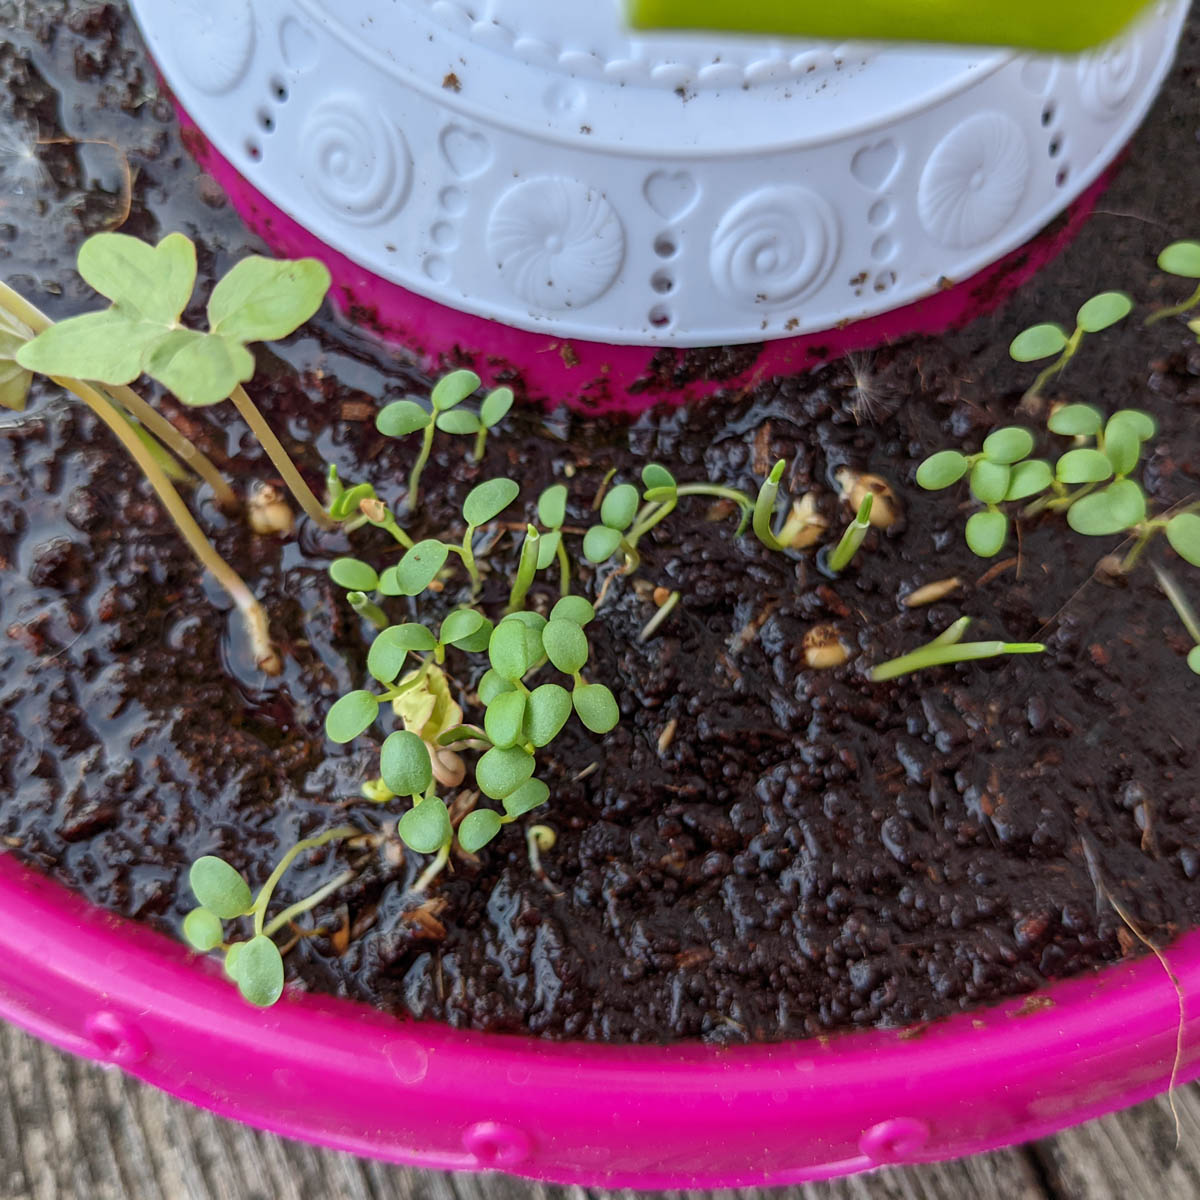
<point x="477" y="829"/>
<point x="1181" y="258"/>
<point x="566" y="645"/>
<point x="654" y="475"/>
<point x="1075" y="420"/>
<point x="986" y="532"/>
<point x="504" y="718"/>
<point x="1122" y="446"/>
<point x="353" y="574"/>
<point x="620" y="506"/>
<point x="1103" y="310"/>
<point x="425" y="828"/>
<point x="1083" y="466"/>
<point x="202" y="930"/>
<point x="400" y="418"/>
<point x="419" y="566"/>
<point x="404" y="763"/>
<point x="1183" y="532"/>
<point x="1008" y="445"/>
<point x="596" y="706"/>
<point x="492" y="684"/>
<point x="573" y="608"/>
<point x="1038" y="341"/>
<point x="259" y="968"/>
<point x="526" y="798"/>
<point x="1118" y="507"/>
<point x="552" y="506"/>
<point x="495" y="406"/>
<point x="600" y="543"/>
<point x="989" y="481"/>
<point x="1143" y="424"/>
<point x="1193" y="659"/>
<point x="546" y="712"/>
<point x="219" y="888"/>
<point x="501" y="771"/>
<point x="508" y="650"/>
<point x="458" y="421"/>
<point x="1028" y="478"/>
<point x="453" y="389"/>
<point x="351" y="715"/>
<point x="460" y="624"/>
<point x="489" y="500"/>
<point x="941" y="470"/>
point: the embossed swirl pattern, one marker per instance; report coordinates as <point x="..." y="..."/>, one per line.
<point x="353" y="160"/>
<point x="775" y="246"/>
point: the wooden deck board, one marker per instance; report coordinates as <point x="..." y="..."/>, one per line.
<point x="69" y="1130"/>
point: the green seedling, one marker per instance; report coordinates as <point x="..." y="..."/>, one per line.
<point x="259" y="299"/>
<point x="1042" y="341"/>
<point x="617" y="512"/>
<point x="662" y="495"/>
<point x="948" y="647"/>
<point x="552" y="512"/>
<point x="423" y="562"/>
<point x="852" y="539"/>
<point x="401" y="418"/>
<point x="1001" y="473"/>
<point x="152" y="442"/>
<point x="1182" y="259"/>
<point x="519" y="717"/>
<point x="1185" y="612"/>
<point x="256" y="964"/>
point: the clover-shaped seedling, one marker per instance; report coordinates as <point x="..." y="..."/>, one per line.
<point x="258" y="300"/>
<point x="1182" y="259"/>
<point x="1042" y="341"/>
<point x="255" y="965"/>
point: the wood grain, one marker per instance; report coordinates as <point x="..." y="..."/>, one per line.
<point x="70" y="1130"/>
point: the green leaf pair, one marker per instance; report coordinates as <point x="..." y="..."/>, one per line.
<point x="1098" y="313"/>
<point x="617" y="511"/>
<point x="259" y="299"/>
<point x="255" y="966"/>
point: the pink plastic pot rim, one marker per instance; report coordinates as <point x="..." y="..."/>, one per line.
<point x="343" y="1075"/>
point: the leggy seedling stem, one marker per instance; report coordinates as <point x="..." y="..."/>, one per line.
<point x="265" y="655"/>
<point x="1174" y="310"/>
<point x="309" y="902"/>
<point x="280" y="458"/>
<point x="264" y="896"/>
<point x="148" y="416"/>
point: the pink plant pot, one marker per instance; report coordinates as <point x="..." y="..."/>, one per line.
<point x="343" y="1075"/>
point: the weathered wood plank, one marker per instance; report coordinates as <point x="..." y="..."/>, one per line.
<point x="69" y="1129"/>
<point x="1129" y="1155"/>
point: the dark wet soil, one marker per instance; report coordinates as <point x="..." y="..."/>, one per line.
<point x="759" y="850"/>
